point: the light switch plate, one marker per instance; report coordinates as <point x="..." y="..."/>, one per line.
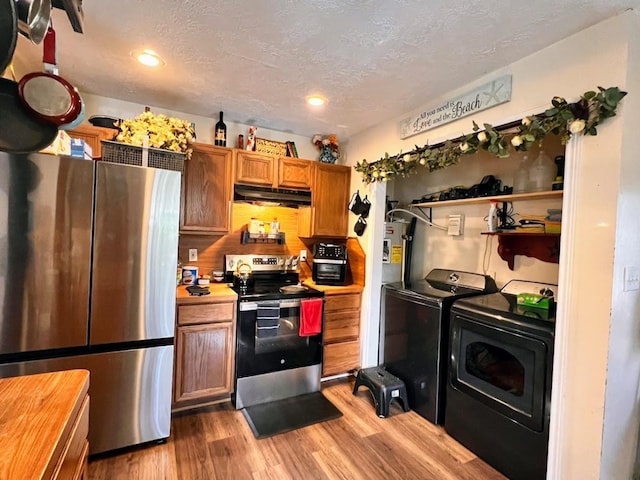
<point x="303" y="255"/>
<point x="456" y="225"/>
<point x="193" y="254"/>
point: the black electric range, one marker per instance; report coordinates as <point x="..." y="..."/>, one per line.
<point x="275" y="359"/>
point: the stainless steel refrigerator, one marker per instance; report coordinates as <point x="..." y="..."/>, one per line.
<point x="87" y="280"/>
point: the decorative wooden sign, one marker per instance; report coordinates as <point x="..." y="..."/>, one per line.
<point x="271" y="147"/>
<point x="485" y="96"/>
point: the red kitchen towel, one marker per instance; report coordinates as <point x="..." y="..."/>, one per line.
<point x="310" y="316"/>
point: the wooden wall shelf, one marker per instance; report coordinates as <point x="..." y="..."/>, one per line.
<point x="498" y="198"/>
<point x="543" y="246"/>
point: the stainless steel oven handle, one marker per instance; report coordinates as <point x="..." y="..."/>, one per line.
<point x="293" y="303"/>
<point x="249" y="306"/>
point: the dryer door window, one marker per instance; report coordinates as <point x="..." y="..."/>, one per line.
<point x="503" y="369"/>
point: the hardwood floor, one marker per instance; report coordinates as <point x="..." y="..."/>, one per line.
<point x="216" y="443"/>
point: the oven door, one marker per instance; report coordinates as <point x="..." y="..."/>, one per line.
<point x="501" y="368"/>
<point x="268" y="338"/>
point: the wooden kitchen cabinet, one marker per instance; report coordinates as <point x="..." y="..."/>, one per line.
<point x="93" y="136"/>
<point x="266" y="170"/>
<point x="205" y="353"/>
<point x="255" y="168"/>
<point x="294" y="173"/>
<point x="205" y="205"/>
<point x="328" y="214"/>
<point x="341" y="334"/>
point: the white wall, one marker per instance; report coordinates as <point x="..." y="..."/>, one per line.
<point x="591" y="300"/>
<point x="620" y="438"/>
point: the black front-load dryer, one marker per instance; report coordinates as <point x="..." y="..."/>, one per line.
<point x="414" y="333"/>
<point x="499" y="382"/>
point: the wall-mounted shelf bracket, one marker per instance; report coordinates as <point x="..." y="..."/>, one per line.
<point x="543" y="246"/>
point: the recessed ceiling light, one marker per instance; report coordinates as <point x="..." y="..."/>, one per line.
<point x="148" y="58"/>
<point x="316" y="100"/>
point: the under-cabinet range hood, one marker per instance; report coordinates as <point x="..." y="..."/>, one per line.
<point x="271" y="196"/>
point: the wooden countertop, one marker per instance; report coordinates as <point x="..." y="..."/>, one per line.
<point x="36" y="420"/>
<point x="334" y="290"/>
<point x="220" y="292"/>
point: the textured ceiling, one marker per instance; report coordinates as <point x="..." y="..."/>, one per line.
<point x="257" y="60"/>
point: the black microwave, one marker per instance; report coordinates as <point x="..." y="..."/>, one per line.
<point x="329" y="264"/>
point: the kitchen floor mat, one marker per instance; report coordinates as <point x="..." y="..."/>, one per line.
<point x="272" y="418"/>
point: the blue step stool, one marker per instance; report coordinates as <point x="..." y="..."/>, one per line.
<point x="384" y="387"/>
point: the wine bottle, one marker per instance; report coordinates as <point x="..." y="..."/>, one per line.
<point x="221" y="133"/>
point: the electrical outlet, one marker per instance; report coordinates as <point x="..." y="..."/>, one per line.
<point x="456" y="225"/>
<point x="631" y="279"/>
<point x="193" y="254"/>
<point x="303" y="255"/>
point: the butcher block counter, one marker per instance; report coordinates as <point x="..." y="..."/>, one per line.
<point x="220" y="292"/>
<point x="334" y="290"/>
<point x="44" y="424"/>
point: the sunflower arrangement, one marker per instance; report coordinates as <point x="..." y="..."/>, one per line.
<point x="563" y="119"/>
<point x="164" y="132"/>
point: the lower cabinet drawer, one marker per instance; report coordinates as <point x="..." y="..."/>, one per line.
<point x="340" y="357"/>
<point x="206" y="313"/>
<point x="341" y="302"/>
<point x="342" y="325"/>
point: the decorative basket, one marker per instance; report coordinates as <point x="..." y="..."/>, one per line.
<point x="116" y="152"/>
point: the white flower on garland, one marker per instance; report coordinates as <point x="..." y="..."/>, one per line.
<point x="482" y="137"/>
<point x="526" y="121"/>
<point x="577" y="126"/>
<point x="464" y="147"/>
<point x="516" y="141"/>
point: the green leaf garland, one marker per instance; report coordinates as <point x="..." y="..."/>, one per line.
<point x="563" y="119"/>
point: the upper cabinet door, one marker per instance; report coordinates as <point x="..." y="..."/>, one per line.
<point x="294" y="173"/>
<point x="330" y="198"/>
<point x="255" y="168"/>
<point x="93" y="136"/>
<point x="206" y="191"/>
